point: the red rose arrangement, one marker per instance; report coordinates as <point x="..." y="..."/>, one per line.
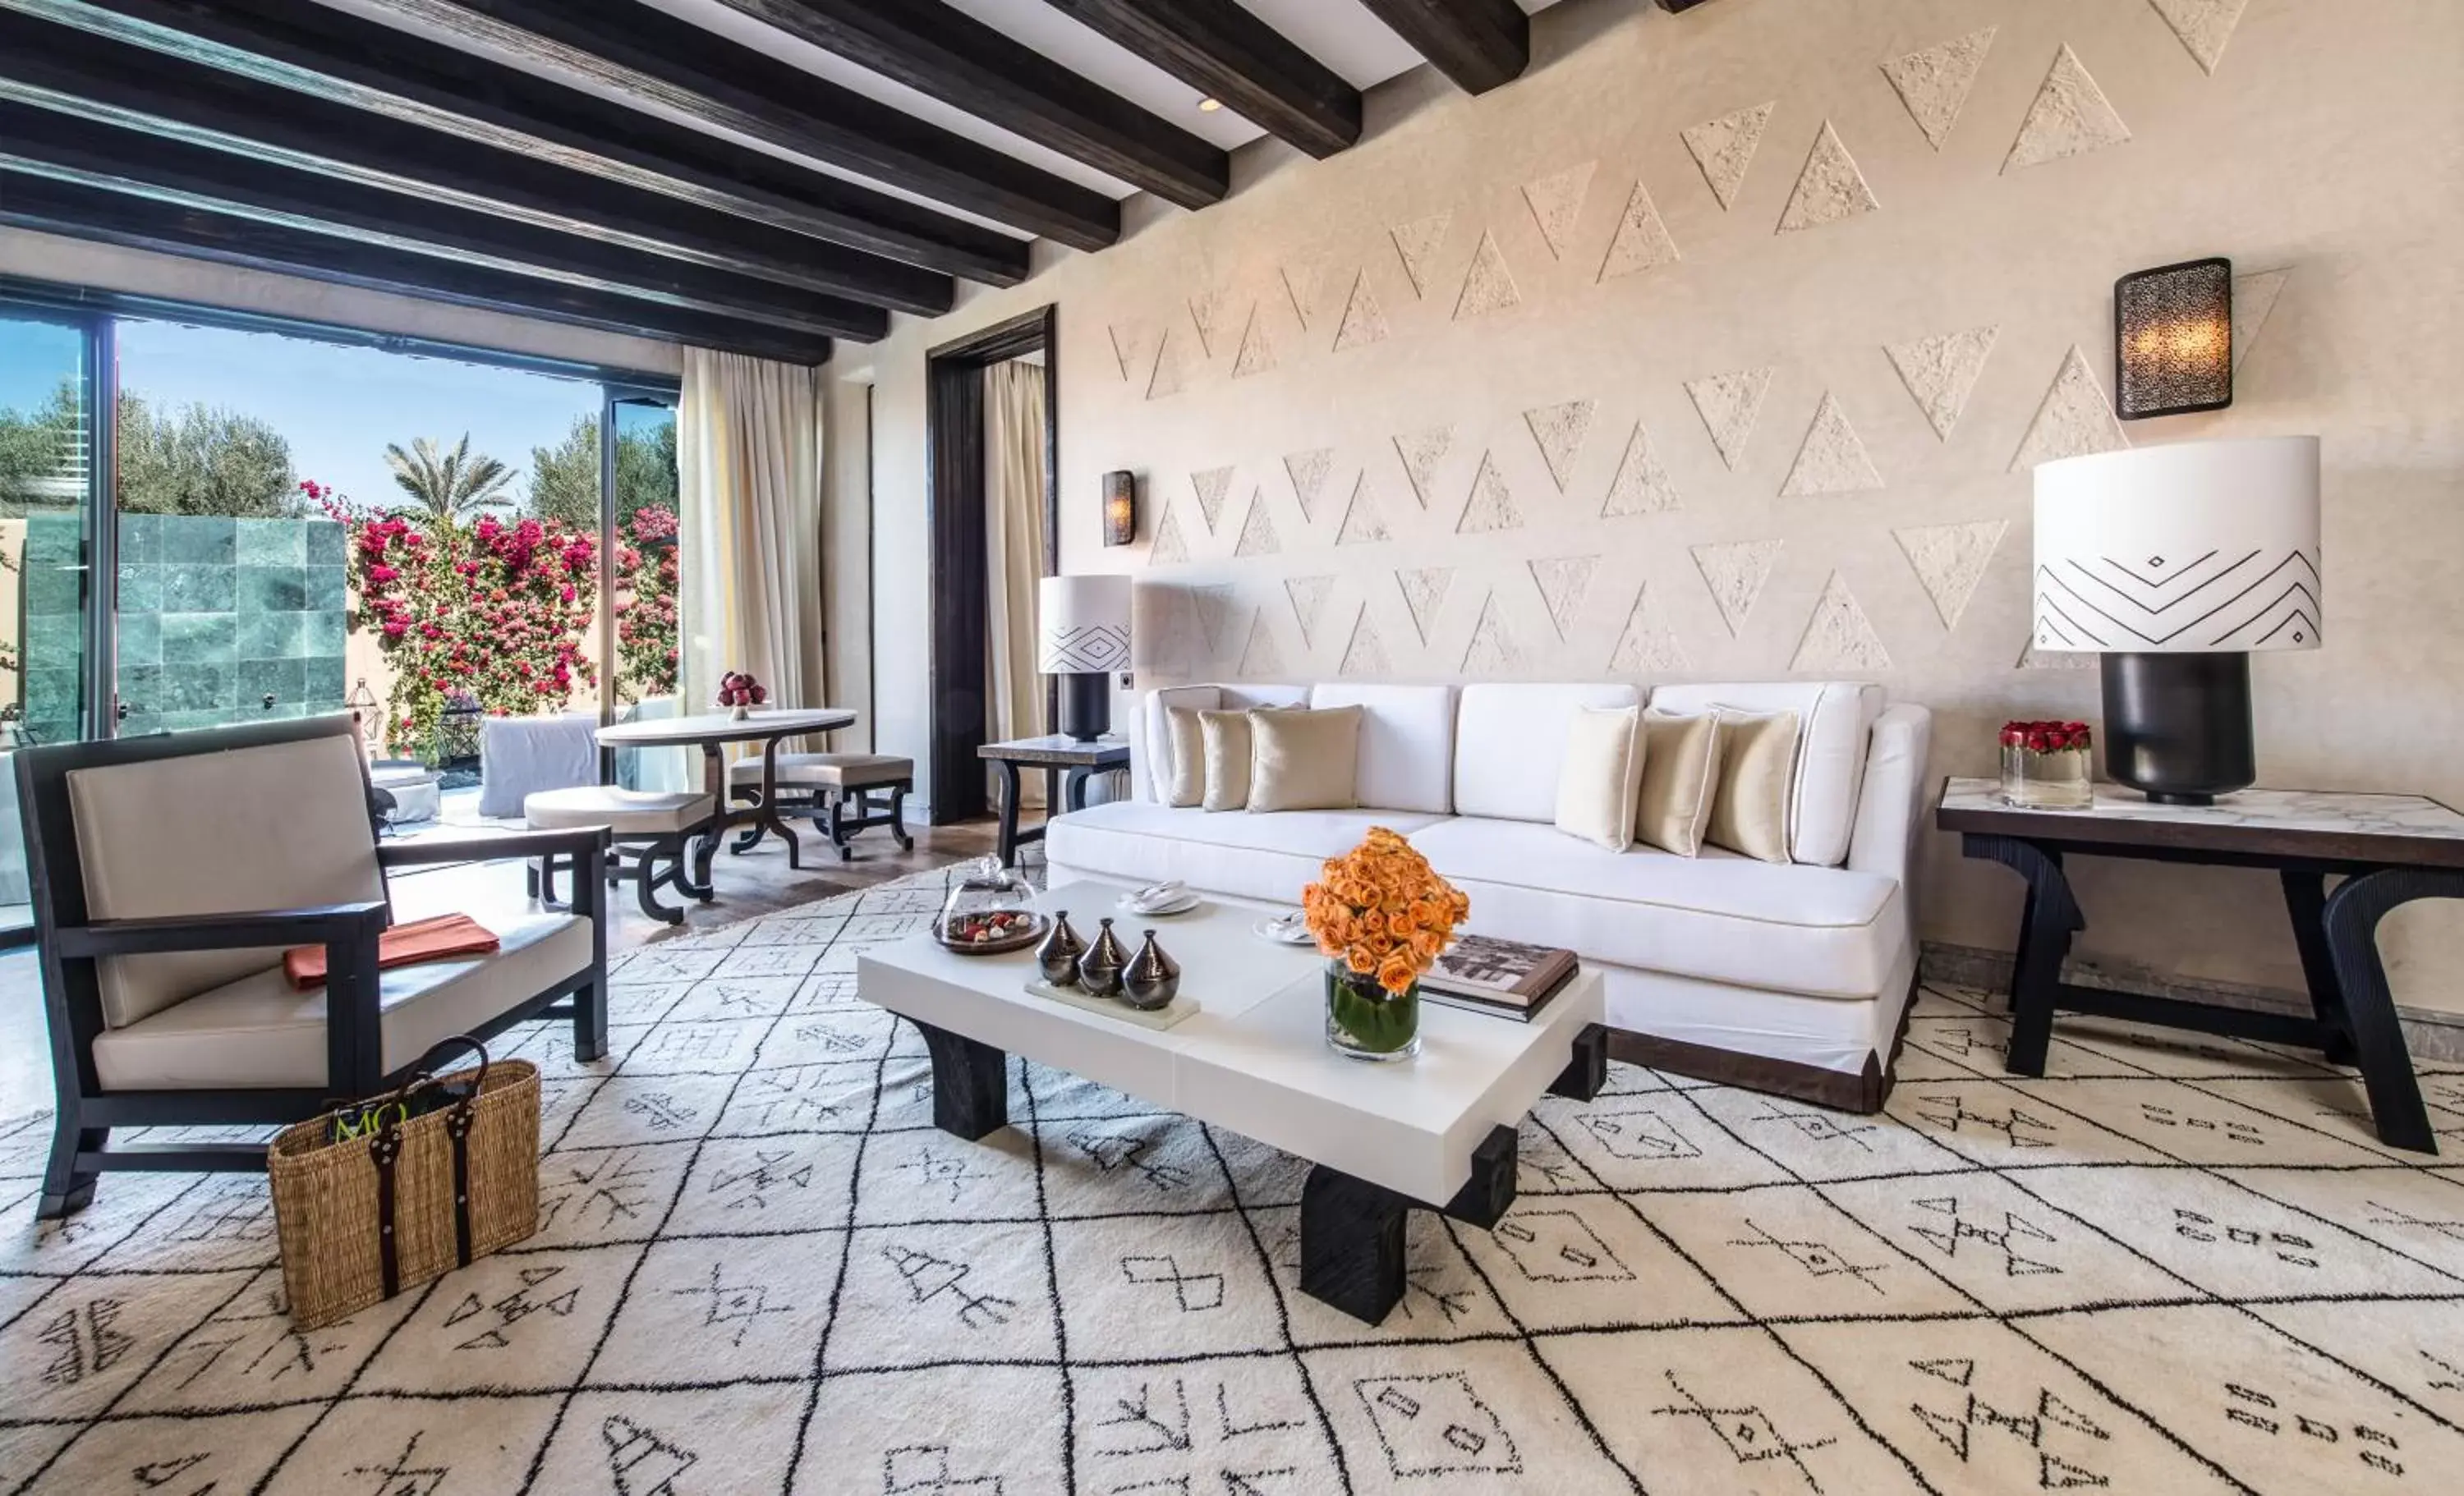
<point x="2046" y="736"/>
<point x="737" y="689"/>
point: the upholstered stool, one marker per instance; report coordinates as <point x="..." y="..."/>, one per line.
<point x="823" y="785"/>
<point x="646" y="827"/>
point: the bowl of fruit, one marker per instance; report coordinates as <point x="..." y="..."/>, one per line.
<point x="739" y="693"/>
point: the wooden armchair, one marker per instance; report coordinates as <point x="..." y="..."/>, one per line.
<point x="169" y="875"/>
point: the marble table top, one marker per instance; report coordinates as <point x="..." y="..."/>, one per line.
<point x="2329" y="823"/>
<point x="1060" y="750"/>
<point x="711" y="728"/>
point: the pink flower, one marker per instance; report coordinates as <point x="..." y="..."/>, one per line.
<point x="382" y="573"/>
<point x="395" y="628"/>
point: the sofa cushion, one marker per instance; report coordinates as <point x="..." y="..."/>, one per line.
<point x="1407" y="743"/>
<point x="1267" y="856"/>
<point x="1301" y="758"/>
<point x="1157" y="740"/>
<point x="1721" y="918"/>
<point x="1834" y="717"/>
<point x="257" y="1032"/>
<point x="1511" y="741"/>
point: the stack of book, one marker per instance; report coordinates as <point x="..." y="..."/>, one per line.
<point x="1504" y="978"/>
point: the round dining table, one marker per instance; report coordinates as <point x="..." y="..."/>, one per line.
<point x="711" y="732"/>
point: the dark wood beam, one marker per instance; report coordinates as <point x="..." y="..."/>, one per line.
<point x="654" y="59"/>
<point x="1478" y="43"/>
<point x="1225" y="53"/>
<point x="347" y="59"/>
<point x="71" y="149"/>
<point x="950" y="55"/>
<point x="85" y="213"/>
<point x="75" y="73"/>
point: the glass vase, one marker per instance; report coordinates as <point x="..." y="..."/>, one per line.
<point x="1365" y="1021"/>
<point x="2054" y="779"/>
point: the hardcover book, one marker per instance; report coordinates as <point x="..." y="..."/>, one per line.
<point x="1499" y="976"/>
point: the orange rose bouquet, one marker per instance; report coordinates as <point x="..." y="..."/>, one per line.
<point x="1382" y="916"/>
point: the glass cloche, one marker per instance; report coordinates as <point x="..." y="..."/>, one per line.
<point x="990" y="907"/>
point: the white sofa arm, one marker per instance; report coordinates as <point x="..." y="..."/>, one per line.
<point x="1891" y="808"/>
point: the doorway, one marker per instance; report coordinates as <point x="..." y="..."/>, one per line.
<point x="959" y="519"/>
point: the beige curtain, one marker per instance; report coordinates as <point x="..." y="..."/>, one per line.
<point x="748" y="459"/>
<point x="1014" y="534"/>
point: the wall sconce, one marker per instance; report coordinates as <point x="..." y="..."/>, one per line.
<point x="1120" y="508"/>
<point x="2173" y="339"/>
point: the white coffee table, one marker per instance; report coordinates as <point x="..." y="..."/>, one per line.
<point x="1437" y="1132"/>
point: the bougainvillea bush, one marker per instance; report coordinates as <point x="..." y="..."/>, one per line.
<point x="645" y="604"/>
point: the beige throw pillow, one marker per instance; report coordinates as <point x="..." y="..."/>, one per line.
<point x="1225" y="736"/>
<point x="1187" y="742"/>
<point x="1680" y="772"/>
<point x="1602" y="780"/>
<point x="1301" y="759"/>
<point x="1749" y="810"/>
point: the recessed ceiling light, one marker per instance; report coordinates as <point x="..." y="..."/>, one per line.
<point x="1209" y="105"/>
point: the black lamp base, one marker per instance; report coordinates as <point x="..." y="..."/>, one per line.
<point x="1086" y="705"/>
<point x="2177" y="726"/>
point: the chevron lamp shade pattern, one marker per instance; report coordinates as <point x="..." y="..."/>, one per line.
<point x="2196" y="547"/>
<point x="1082" y="625"/>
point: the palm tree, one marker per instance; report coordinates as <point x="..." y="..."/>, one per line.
<point x="452" y="485"/>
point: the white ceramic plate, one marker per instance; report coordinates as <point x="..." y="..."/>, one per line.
<point x="1128" y="904"/>
<point x="1283" y="930"/>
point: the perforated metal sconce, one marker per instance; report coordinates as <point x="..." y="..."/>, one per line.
<point x="1120" y="508"/>
<point x="2173" y="339"/>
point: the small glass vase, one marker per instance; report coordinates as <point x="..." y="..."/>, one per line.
<point x="2054" y="779"/>
<point x="1365" y="1021"/>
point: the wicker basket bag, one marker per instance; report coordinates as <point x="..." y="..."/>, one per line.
<point x="413" y="1195"/>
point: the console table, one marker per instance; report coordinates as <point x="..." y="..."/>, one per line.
<point x="1051" y="754"/>
<point x="2390" y="850"/>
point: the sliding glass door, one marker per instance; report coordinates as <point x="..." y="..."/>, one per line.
<point x="640" y="465"/>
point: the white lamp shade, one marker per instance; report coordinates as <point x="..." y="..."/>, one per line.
<point x="1081" y="625"/>
<point x="2189" y="548"/>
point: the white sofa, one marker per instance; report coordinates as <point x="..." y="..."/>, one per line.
<point x="1790" y="979"/>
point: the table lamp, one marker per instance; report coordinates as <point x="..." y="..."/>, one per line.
<point x="2176" y="563"/>
<point x="1083" y="636"/>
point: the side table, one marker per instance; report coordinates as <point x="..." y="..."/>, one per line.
<point x="1053" y="754"/>
<point x="2390" y="850"/>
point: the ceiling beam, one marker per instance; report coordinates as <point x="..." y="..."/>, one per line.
<point x="66" y="148"/>
<point x="654" y="59"/>
<point x="1478" y="43"/>
<point x="1227" y="54"/>
<point x="348" y="59"/>
<point x="85" y="213"/>
<point x="69" y="72"/>
<point x="948" y="54"/>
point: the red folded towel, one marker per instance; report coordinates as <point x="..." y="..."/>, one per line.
<point x="437" y="939"/>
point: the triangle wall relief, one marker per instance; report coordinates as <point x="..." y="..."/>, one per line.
<point x="1493" y="650"/>
<point x="1169" y="376"/>
<point x="1933" y="83"/>
<point x="1838" y="638"/>
<point x="1832" y="459"/>
<point x="2074" y="418"/>
<point x="1642" y="485"/>
<point x="1560" y="430"/>
<point x="1132" y="342"/>
<point x="1214" y="605"/>
<point x="1830" y="188"/>
<point x="1562" y="583"/>
<point x="1309" y="595"/>
<point x="1950" y="560"/>
<point x="1647" y="646"/>
<point x="1488" y="286"/>
<point x="1728" y="404"/>
<point x="1492" y="507"/>
<point x="1556" y="204"/>
<point x="1207" y="310"/>
<point x="1302" y="281"/>
<point x="1259" y="658"/>
<point x="2253" y="301"/>
<point x="2204" y="26"/>
<point x="1364" y="321"/>
<point x="1642" y="243"/>
<point x="1735" y="571"/>
<point x="1211" y="487"/>
<point x="2070" y="116"/>
<point x="1363" y="523"/>
<point x="1417" y="244"/>
<point x="1724" y="148"/>
<point x="1941" y="371"/>
<point x="1425" y="592"/>
<point x="1257" y="348"/>
<point x="1424" y="452"/>
<point x="1366" y="653"/>
<point x="2031" y="658"/>
<point x="1257" y="530"/>
<point x="1169" y="547"/>
<point x="1308" y="470"/>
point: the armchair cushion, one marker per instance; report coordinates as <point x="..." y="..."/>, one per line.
<point x="257" y="1033"/>
<point x="520" y="756"/>
<point x="284" y="826"/>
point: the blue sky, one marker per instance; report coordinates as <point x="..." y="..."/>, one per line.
<point x="337" y="405"/>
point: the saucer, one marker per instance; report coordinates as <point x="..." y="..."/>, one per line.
<point x="1128" y="904"/>
<point x="1290" y="930"/>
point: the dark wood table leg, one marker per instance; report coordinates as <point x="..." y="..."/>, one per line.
<point x="2053" y="917"/>
<point x="1587" y="1074"/>
<point x="1352" y="1231"/>
<point x="2351" y="923"/>
<point x="970" y="1083"/>
<point x="2305" y="900"/>
<point x="1075" y="796"/>
<point x="1008" y="845"/>
<point x="767" y="819"/>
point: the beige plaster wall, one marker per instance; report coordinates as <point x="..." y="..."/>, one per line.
<point x="1208" y="352"/>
